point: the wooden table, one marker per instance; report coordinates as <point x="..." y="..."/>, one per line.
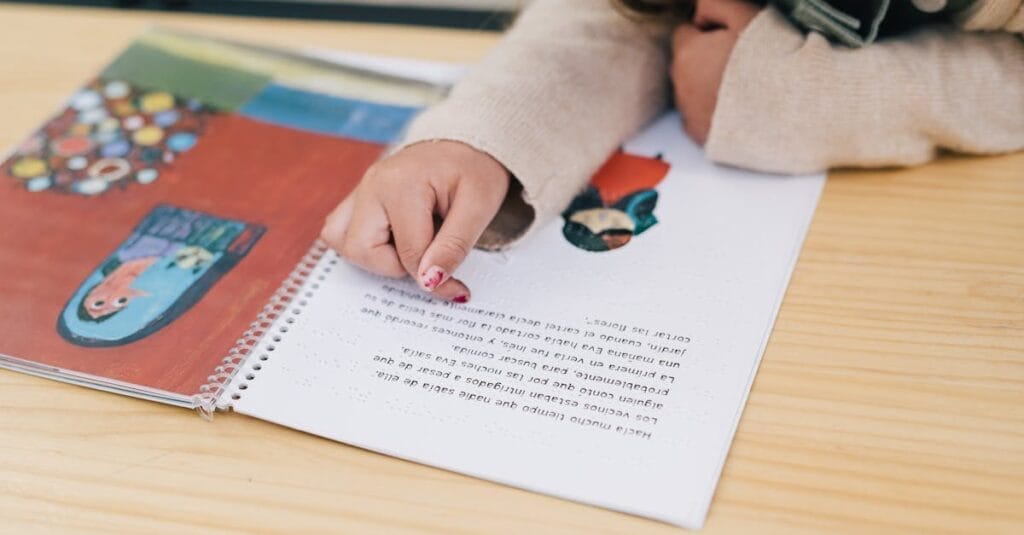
<point x="891" y="397"/>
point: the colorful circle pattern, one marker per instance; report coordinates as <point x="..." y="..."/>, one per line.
<point x="110" y="136"/>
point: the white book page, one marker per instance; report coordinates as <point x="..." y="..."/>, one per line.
<point x="439" y="73"/>
<point x="612" y="378"/>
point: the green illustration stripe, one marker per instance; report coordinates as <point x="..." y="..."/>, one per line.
<point x="217" y="86"/>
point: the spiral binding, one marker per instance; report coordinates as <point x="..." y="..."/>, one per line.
<point x="207" y="400"/>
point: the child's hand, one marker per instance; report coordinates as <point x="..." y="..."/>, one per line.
<point x="700" y="52"/>
<point x="387" y="225"/>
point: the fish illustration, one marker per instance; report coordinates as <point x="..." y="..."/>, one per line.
<point x="115" y="291"/>
<point x="167" y="264"/>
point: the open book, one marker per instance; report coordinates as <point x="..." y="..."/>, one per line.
<point x="158" y="239"/>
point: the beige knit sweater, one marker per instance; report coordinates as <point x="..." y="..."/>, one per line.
<point x="573" y="79"/>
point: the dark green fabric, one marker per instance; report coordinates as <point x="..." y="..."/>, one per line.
<point x="857" y="23"/>
<point x="216" y="86"/>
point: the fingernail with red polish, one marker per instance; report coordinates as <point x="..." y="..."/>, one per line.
<point x="461" y="299"/>
<point x="432" y="278"/>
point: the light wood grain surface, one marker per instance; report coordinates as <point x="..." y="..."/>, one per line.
<point x="891" y="396"/>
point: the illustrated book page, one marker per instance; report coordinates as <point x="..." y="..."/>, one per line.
<point x="146" y="225"/>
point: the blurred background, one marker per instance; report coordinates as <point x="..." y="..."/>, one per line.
<point x="467" y="14"/>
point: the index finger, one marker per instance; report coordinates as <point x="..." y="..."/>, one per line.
<point x="463" y="225"/>
<point x="411" y="215"/>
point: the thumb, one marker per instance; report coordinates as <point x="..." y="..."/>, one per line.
<point x="463" y="224"/>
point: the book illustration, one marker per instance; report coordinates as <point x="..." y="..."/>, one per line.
<point x="272" y="87"/>
<point x="156" y="99"/>
<point x="112" y="134"/>
<point x="171" y="259"/>
<point x="231" y="132"/>
<point x="617" y="205"/>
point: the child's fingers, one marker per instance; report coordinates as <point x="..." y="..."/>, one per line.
<point x="333" y="231"/>
<point x="452" y="290"/>
<point x="463" y="224"/>
<point x="367" y="241"/>
<point x="412" y="225"/>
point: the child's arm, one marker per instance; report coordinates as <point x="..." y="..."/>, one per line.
<point x="793" y="103"/>
<point x="568" y="83"/>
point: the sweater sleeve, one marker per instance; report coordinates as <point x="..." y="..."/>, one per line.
<point x="992" y="15"/>
<point x="792" y="103"/>
<point x="566" y="85"/>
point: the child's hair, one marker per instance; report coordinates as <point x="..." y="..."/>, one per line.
<point x="662" y="10"/>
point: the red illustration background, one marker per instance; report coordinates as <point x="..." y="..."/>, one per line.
<point x="284" y="179"/>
